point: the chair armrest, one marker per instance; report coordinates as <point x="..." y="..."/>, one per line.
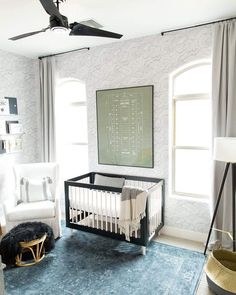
<point x="57" y="201"/>
<point x="58" y="214"/>
<point x="8" y="205"/>
<point x="57" y="194"/>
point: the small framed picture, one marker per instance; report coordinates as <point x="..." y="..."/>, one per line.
<point x="8" y="126"/>
<point x="12" y="102"/>
<point x="4" y="106"/>
<point x="15" y="128"/>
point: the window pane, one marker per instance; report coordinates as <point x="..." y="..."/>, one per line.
<point x="72" y="91"/>
<point x="192" y="171"/>
<point x="73" y="160"/>
<point x="195" y="80"/>
<point x="75" y="127"/>
<point x="193" y="123"/>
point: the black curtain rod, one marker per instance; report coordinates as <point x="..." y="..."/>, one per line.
<point x="83" y="48"/>
<point x="195" y="26"/>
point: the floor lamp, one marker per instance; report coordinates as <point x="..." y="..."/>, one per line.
<point x="225" y="151"/>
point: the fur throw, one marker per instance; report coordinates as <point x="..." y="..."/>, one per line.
<point x="24" y="232"/>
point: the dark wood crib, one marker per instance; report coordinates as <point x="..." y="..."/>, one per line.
<point x="95" y="208"/>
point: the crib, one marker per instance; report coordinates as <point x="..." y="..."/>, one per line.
<point x="95" y="208"/>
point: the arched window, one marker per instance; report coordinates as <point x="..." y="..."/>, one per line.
<point x="191" y="131"/>
<point x="71" y="128"/>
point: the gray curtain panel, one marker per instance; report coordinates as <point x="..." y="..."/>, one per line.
<point x="47" y="108"/>
<point x="224" y="113"/>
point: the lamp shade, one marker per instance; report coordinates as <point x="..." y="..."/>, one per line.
<point x="225" y="149"/>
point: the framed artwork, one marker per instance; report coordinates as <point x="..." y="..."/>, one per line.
<point x="125" y="126"/>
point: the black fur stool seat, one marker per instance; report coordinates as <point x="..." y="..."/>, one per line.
<point x="24" y="232"/>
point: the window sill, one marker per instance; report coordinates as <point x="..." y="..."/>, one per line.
<point x="200" y="199"/>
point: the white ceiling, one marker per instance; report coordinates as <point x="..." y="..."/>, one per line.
<point x="132" y="18"/>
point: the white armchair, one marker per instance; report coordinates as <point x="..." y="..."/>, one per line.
<point x="36" y="196"/>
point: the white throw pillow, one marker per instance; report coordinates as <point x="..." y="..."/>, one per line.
<point x="32" y="190"/>
<point x="109" y="181"/>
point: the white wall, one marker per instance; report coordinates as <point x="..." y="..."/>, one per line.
<point x="19" y="78"/>
<point x="143" y="61"/>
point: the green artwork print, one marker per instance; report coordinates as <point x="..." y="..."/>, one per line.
<point x="125" y="126"/>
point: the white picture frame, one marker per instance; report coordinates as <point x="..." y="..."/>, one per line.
<point x="4" y="107"/>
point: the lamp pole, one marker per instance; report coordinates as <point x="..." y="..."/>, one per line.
<point x="217" y="205"/>
<point x="233" y="203"/>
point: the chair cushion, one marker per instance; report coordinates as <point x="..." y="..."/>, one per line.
<point x="33" y="190"/>
<point x="31" y="211"/>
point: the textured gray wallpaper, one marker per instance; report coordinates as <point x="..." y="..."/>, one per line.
<point x="143" y="61"/>
<point x="19" y="78"/>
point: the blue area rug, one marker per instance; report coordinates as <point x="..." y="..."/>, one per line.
<point x="84" y="263"/>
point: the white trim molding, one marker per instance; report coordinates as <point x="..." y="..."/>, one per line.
<point x="184" y="234"/>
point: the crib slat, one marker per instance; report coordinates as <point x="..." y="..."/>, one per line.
<point x="76" y="204"/>
<point x="115" y="195"/>
<point x="101" y="208"/>
<point x="96" y="194"/>
<point x="89" y="208"/>
<point x="85" y="205"/>
<point x="72" y="205"/>
<point x="106" y="208"/>
<point x="110" y="196"/>
<point x="93" y="208"/>
<point x="80" y="201"/>
<point x="75" y="195"/>
<point x="73" y="202"/>
<point x="70" y="200"/>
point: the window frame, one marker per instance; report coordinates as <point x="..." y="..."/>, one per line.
<point x="173" y="147"/>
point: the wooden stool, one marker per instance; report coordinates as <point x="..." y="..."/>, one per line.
<point x="35" y="247"/>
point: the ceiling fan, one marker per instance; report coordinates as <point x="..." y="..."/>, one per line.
<point x="60" y="22"/>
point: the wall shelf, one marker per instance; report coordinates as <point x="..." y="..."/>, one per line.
<point x="10" y="135"/>
<point x="11" y="131"/>
<point x="11" y="143"/>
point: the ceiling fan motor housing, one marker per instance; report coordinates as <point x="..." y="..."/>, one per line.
<point x="56" y="22"/>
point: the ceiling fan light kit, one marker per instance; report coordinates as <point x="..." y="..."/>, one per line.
<point x="59" y="23"/>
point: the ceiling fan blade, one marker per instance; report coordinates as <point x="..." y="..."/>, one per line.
<point x="27" y="34"/>
<point x="78" y="29"/>
<point x="51" y="9"/>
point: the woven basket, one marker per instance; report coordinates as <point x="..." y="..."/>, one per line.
<point x="221" y="272"/>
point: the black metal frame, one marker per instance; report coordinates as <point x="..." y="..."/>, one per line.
<point x="144" y="237"/>
<point x="233" y="165"/>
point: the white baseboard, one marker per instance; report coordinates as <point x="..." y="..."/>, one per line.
<point x="184" y="234"/>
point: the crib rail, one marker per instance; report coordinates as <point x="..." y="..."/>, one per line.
<point x="96" y="208"/>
